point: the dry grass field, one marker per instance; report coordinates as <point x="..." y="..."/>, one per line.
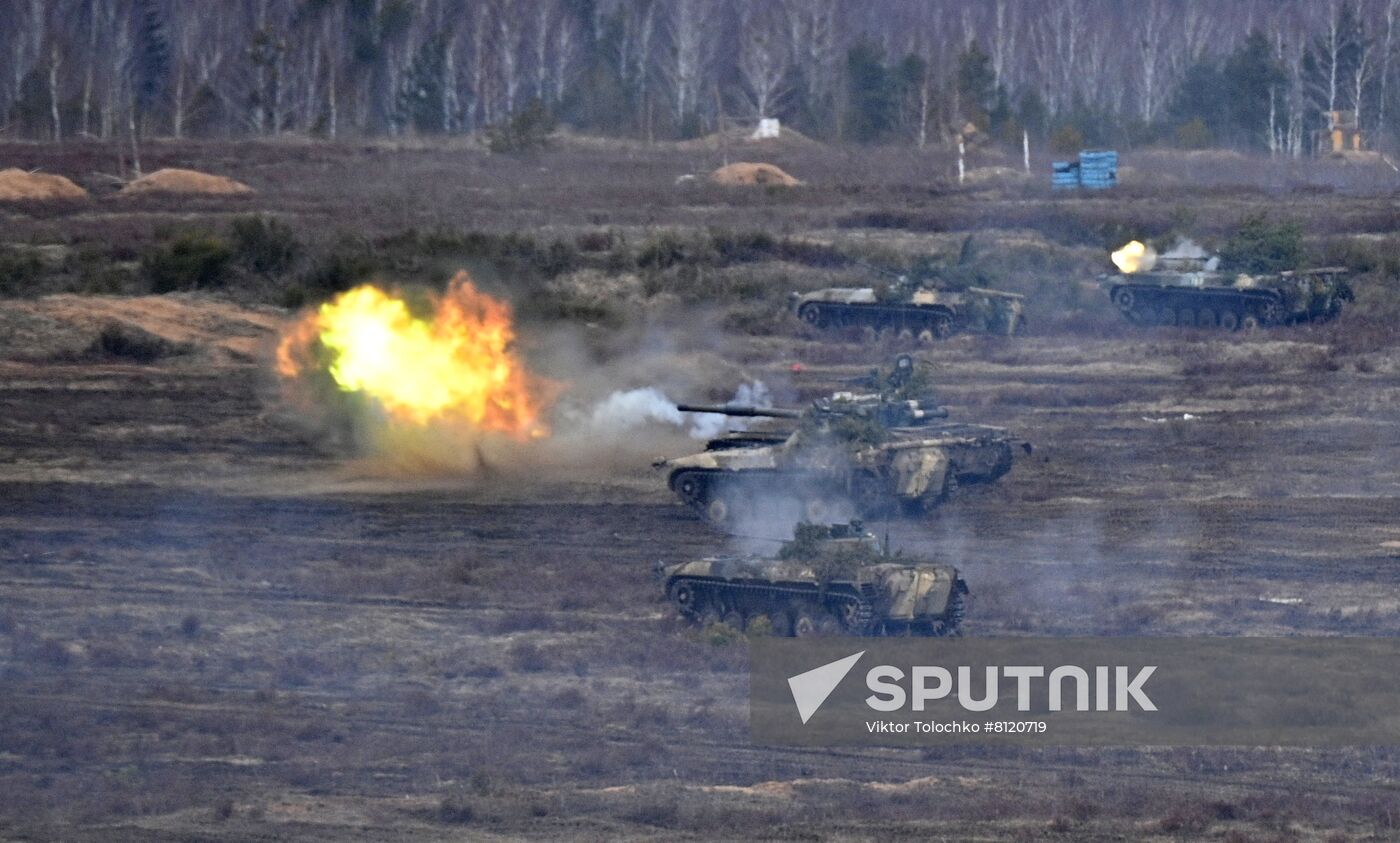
<point x="214" y="626"/>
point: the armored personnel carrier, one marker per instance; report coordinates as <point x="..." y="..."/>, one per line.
<point x="913" y="306"/>
<point x="862" y="453"/>
<point x="1191" y="290"/>
<point x="826" y="581"/>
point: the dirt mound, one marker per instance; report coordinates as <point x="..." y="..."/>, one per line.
<point x="172" y="180"/>
<point x="20" y="185"/>
<point x="137" y="329"/>
<point x="743" y="172"/>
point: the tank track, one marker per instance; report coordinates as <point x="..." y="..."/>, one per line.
<point x="858" y="622"/>
<point x="695" y="486"/>
<point x="939" y="321"/>
<point x="1204" y="307"/>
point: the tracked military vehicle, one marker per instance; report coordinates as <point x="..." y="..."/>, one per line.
<point x="826" y="581"/>
<point x="865" y="454"/>
<point x="1190" y="290"/>
<point x="913" y="305"/>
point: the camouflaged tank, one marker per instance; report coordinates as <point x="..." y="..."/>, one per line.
<point x="833" y="580"/>
<point x="862" y="453"/>
<point x="1192" y="292"/>
<point x="913" y="307"/>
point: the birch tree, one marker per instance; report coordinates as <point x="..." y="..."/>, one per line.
<point x="763" y="58"/>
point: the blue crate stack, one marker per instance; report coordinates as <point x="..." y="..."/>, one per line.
<point x="1098" y="169"/>
<point x="1095" y="170"/>
<point x="1064" y="175"/>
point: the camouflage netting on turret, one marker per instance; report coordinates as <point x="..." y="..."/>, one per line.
<point x="829" y="560"/>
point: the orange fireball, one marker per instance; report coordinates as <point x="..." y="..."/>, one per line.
<point x="459" y="366"/>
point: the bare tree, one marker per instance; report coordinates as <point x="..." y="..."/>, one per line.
<point x="565" y="43"/>
<point x="1387" y="47"/>
<point x="1156" y="21"/>
<point x="688" y="51"/>
<point x="339" y="66"/>
<point x="509" y="32"/>
<point x="814" y="45"/>
<point x="1056" y="43"/>
<point x="763" y="57"/>
<point x="1005" y="28"/>
<point x="1362" y="68"/>
<point x="1328" y="87"/>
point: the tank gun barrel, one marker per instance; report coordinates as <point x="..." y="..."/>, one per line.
<point x="741" y="410"/>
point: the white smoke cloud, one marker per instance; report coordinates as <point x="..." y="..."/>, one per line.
<point x="631" y="409"/>
<point x="1189" y="252"/>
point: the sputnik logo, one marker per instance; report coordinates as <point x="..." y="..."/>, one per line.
<point x="810" y="689"/>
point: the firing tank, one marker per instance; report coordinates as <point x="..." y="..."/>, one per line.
<point x="827" y="581"/>
<point x="863" y="454"/>
<point x="914" y="305"/>
<point x="1189" y="289"/>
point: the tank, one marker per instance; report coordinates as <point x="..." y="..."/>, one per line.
<point x="913" y="307"/>
<point x="852" y="454"/>
<point x="834" y="580"/>
<point x="1192" y="291"/>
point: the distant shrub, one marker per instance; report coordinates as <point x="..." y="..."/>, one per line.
<point x="128" y="342"/>
<point x="760" y="626"/>
<point x="719" y="634"/>
<point x="742" y="246"/>
<point x="1189" y="819"/>
<point x="1194" y="134"/>
<point x="668" y="248"/>
<point x="18" y="270"/>
<point x="191" y="262"/>
<point x="456" y="808"/>
<point x="1261" y="246"/>
<point x="596" y="241"/>
<point x="265" y="244"/>
<point x="347" y="263"/>
<point x="528" y="129"/>
<point x="1363" y="255"/>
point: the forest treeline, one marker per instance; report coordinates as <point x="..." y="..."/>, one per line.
<point x="1248" y="74"/>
